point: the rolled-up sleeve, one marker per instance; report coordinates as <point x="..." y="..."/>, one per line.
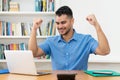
<point x="45" y="46"/>
<point x="93" y="44"/>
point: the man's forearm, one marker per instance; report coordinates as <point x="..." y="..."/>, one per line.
<point x="32" y="44"/>
<point x="102" y="40"/>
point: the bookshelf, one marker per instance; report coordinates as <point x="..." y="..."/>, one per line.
<point x="26" y="13"/>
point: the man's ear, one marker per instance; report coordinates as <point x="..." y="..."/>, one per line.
<point x="72" y="21"/>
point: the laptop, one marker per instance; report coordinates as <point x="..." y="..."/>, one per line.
<point x="22" y="62"/>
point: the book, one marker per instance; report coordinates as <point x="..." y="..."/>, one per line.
<point x="102" y="73"/>
<point x="5" y="5"/>
<point x="1" y="6"/>
<point x="51" y="5"/>
<point x="37" y="7"/>
<point x="18" y="29"/>
<point x="1" y="51"/>
<point x="0" y="28"/>
<point x="14" y="6"/>
<point x="44" y="5"/>
<point x="4" y="71"/>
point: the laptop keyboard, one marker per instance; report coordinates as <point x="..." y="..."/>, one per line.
<point x="43" y="73"/>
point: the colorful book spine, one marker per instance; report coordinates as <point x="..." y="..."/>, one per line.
<point x="37" y="7"/>
<point x="44" y="5"/>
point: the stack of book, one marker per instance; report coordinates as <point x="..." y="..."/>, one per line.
<point x="4" y="5"/>
<point x="14" y="6"/>
<point x="24" y="28"/>
<point x="44" y="5"/>
<point x="11" y="46"/>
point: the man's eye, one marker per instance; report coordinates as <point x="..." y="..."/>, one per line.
<point x="63" y="22"/>
<point x="57" y="23"/>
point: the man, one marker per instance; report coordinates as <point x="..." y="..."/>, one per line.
<point x="70" y="50"/>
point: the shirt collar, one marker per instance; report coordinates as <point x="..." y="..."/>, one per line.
<point x="73" y="37"/>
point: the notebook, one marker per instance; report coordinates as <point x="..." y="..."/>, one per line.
<point x="4" y="71"/>
<point x="21" y="62"/>
<point x="102" y="73"/>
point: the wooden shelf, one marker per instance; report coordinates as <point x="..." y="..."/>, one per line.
<point x="26" y="13"/>
<point x="39" y="60"/>
<point x="43" y="60"/>
<point x="2" y="60"/>
<point x="21" y="37"/>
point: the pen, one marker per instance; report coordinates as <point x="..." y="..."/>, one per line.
<point x="97" y="72"/>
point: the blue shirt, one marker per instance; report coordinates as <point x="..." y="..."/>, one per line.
<point x="71" y="55"/>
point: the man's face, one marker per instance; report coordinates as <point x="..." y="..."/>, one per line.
<point x="64" y="24"/>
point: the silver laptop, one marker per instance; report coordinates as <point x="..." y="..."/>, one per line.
<point x="21" y="62"/>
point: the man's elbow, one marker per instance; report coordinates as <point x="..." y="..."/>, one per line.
<point x="106" y="52"/>
<point x="33" y="51"/>
<point x="100" y="51"/>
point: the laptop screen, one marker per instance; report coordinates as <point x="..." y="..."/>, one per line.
<point x="19" y="61"/>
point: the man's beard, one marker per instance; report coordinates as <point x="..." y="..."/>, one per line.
<point x="66" y="32"/>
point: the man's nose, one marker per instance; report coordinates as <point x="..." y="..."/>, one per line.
<point x="60" y="25"/>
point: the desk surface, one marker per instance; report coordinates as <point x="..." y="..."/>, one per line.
<point x="80" y="76"/>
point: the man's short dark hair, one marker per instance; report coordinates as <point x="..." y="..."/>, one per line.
<point x="64" y="10"/>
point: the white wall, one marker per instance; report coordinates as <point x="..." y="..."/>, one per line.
<point x="108" y="15"/>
